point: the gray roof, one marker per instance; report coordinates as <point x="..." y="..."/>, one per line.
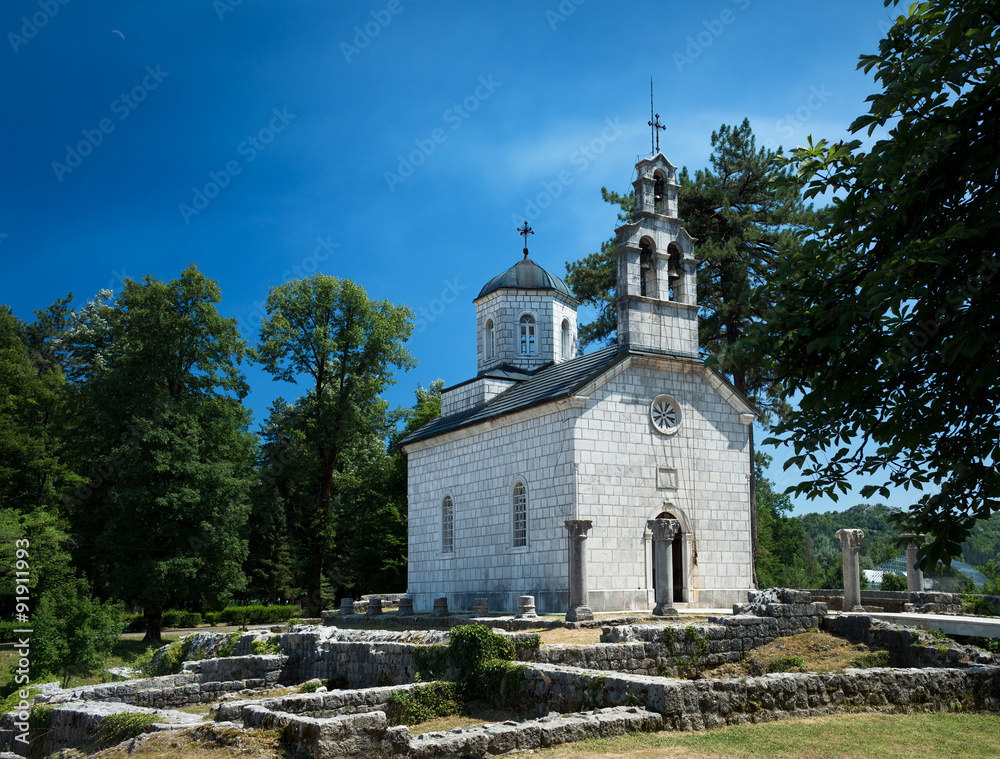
<point x="549" y="383"/>
<point x="526" y="275"/>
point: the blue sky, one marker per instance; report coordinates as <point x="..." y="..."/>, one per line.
<point x="395" y="143"/>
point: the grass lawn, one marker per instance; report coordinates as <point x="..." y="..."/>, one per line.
<point x="852" y="736"/>
<point x="858" y="736"/>
<point x="125" y="651"/>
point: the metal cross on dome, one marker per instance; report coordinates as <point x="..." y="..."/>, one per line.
<point x="525" y="231"/>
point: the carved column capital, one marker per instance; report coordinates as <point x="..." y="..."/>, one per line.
<point x="664" y="529"/>
<point x="578" y="528"/>
<point x="850" y="538"/>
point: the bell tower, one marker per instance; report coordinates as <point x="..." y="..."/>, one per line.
<point x="656" y="290"/>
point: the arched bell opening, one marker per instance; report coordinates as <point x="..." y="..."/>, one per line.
<point x="647" y="269"/>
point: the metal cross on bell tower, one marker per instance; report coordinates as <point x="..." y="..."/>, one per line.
<point x="525" y="231"/>
<point x="654" y="123"/>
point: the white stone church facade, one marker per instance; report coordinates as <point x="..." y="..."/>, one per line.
<point x="541" y="435"/>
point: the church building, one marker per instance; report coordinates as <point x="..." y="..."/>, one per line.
<point x="542" y="436"/>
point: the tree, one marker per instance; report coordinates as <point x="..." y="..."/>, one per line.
<point x="326" y="329"/>
<point x="162" y="394"/>
<point x="73" y="633"/>
<point x="886" y="328"/>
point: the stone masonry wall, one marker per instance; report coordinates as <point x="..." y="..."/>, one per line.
<point x="909" y="647"/>
<point x="199" y="682"/>
<point x="677" y="649"/>
<point x="627" y="703"/>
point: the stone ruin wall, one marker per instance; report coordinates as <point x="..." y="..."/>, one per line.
<point x="622" y="675"/>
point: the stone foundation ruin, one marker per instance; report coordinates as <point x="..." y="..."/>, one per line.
<point x="627" y="682"/>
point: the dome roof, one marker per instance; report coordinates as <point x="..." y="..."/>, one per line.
<point x="526" y="275"/>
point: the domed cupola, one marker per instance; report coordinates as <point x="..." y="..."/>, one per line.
<point x="525" y="317"/>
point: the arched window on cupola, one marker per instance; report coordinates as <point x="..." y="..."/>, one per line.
<point x="659" y="192"/>
<point x="527" y="335"/>
<point x="489" y="340"/>
<point x="567" y="341"/>
<point x="674" y="272"/>
<point x="647" y="269"/>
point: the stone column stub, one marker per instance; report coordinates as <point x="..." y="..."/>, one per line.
<point x="664" y="531"/>
<point x="850" y="542"/>
<point x="579" y="595"/>
<point x="914" y="576"/>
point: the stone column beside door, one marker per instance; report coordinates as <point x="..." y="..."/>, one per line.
<point x="579" y="602"/>
<point x="850" y="542"/>
<point x="664" y="531"/>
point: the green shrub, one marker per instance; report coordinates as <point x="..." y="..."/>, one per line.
<point x="525" y="643"/>
<point x="230" y="645"/>
<point x="212" y="617"/>
<point x="265" y="646"/>
<point x="179" y="618"/>
<point x="430" y="662"/>
<point x="39" y="722"/>
<point x="170" y="661"/>
<point x="257" y="615"/>
<point x="786" y="664"/>
<point x="872" y="659"/>
<point x="135" y="623"/>
<point x="483" y="660"/>
<point x="309" y="687"/>
<point x="423" y="703"/>
<point x="121" y="727"/>
<point x="7" y="631"/>
<point x="892" y="582"/>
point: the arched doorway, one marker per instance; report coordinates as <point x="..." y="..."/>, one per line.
<point x="677" y="562"/>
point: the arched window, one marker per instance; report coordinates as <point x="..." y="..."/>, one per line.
<point x="520" y="515"/>
<point x="567" y="346"/>
<point x="489" y="340"/>
<point x="447" y="525"/>
<point x="527" y="335"/>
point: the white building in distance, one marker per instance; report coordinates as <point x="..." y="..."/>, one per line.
<point x="541" y="435"/>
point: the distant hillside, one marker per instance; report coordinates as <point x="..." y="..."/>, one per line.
<point x="878" y="545"/>
<point x="984" y="543"/>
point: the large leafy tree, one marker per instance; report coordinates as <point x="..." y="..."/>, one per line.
<point x="159" y="381"/>
<point x="327" y="332"/>
<point x="887" y="327"/>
